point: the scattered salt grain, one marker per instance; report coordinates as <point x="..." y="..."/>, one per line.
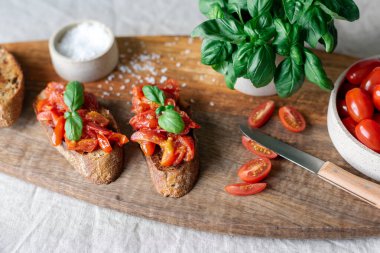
<point x="187" y="51"/>
<point x="118" y="94"/>
<point x="178" y="64"/>
<point x="183" y="85"/>
<point x="163" y="70"/>
<point x="122" y="87"/>
<point x="163" y="79"/>
<point x="105" y="93"/>
<point x="127" y="81"/>
<point x="192" y="101"/>
<point x="99" y="86"/>
<point x="212" y="103"/>
<point x="190" y="41"/>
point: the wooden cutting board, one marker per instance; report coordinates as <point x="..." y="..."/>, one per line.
<point x="296" y="204"/>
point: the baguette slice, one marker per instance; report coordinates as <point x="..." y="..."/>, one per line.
<point x="173" y="181"/>
<point x="11" y="89"/>
<point x="98" y="167"/>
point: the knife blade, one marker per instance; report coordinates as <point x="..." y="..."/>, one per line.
<point x="359" y="187"/>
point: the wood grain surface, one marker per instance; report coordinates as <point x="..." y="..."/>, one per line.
<point x="297" y="204"/>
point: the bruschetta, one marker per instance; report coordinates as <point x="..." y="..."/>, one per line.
<point x="96" y="151"/>
<point x="166" y="136"/>
<point x="11" y="89"/>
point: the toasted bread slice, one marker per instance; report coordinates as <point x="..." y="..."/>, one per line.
<point x="98" y="167"/>
<point x="173" y="181"/>
<point x="11" y="89"/>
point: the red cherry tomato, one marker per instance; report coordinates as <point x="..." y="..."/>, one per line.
<point x="350" y="124"/>
<point x="59" y="131"/>
<point x="342" y="108"/>
<point x="147" y="147"/>
<point x="359" y="104"/>
<point x="245" y="189"/>
<point x="257" y="149"/>
<point x="376" y="97"/>
<point x="291" y="119"/>
<point x="255" y="170"/>
<point x="344" y="88"/>
<point x="97" y="118"/>
<point x="104" y="143"/>
<point x="86" y="145"/>
<point x="371" y="80"/>
<point x="368" y="133"/>
<point x="261" y="114"/>
<point x="360" y="70"/>
<point x="119" y="138"/>
<point x="168" y="155"/>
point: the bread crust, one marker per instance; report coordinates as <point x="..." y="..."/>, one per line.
<point x="10" y="108"/>
<point x="98" y="167"/>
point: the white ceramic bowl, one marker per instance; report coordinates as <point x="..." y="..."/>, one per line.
<point x="353" y="151"/>
<point x="245" y="86"/>
<point x="83" y="70"/>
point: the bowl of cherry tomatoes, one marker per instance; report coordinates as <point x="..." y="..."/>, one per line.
<point x="354" y="116"/>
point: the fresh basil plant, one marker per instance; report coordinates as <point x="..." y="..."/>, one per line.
<point x="243" y="37"/>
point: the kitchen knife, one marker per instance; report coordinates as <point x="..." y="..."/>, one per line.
<point x="359" y="187"/>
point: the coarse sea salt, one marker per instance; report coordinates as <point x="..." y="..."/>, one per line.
<point x="84" y="42"/>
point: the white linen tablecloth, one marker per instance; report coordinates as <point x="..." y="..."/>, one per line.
<point x="33" y="219"/>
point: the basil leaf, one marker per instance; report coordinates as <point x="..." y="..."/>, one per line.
<point x="214" y="51"/>
<point x="260" y="29"/>
<point x="73" y="95"/>
<point x="216" y="12"/>
<point x="288" y="77"/>
<point x="314" y="71"/>
<point x="224" y="29"/>
<point x="154" y="94"/>
<point x="171" y="121"/>
<point x="330" y="39"/>
<point x="340" y="9"/>
<point x="206" y="6"/>
<point x="296" y="54"/>
<point x="241" y="57"/>
<point x="261" y="66"/>
<point x="160" y="109"/>
<point x="226" y="68"/>
<point x="256" y="7"/>
<point x="74" y="127"/>
<point x="282" y="41"/>
<point x="295" y="8"/>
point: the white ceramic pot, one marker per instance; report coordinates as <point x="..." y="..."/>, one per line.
<point x="353" y="151"/>
<point x="245" y="86"/>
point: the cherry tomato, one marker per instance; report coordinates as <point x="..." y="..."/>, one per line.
<point x="373" y="79"/>
<point x="86" y="145"/>
<point x="168" y="156"/>
<point x="148" y="135"/>
<point x="255" y="170"/>
<point x="360" y="70"/>
<point x="146" y="119"/>
<point x="245" y="189"/>
<point x="344" y="88"/>
<point x="376" y="117"/>
<point x="90" y="126"/>
<point x="350" y="124"/>
<point x="41" y="104"/>
<point x="261" y="114"/>
<point x="59" y="131"/>
<point x="359" y="104"/>
<point x="171" y="88"/>
<point x="342" y="108"/>
<point x="119" y="138"/>
<point x="188" y="143"/>
<point x="291" y="119"/>
<point x="104" y="143"/>
<point x="368" y="133"/>
<point x="147" y="147"/>
<point x="97" y="118"/>
<point x="44" y="116"/>
<point x="257" y="149"/>
<point x="376" y="97"/>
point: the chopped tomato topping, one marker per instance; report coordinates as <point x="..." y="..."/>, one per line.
<point x="97" y="118"/>
<point x="104" y="143"/>
<point x="120" y="139"/>
<point x="147" y="147"/>
<point x="86" y="145"/>
<point x="59" y="131"/>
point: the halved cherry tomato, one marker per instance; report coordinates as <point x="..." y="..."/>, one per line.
<point x="86" y="145"/>
<point x="59" y="131"/>
<point x="360" y="70"/>
<point x="344" y="88"/>
<point x="104" y="143"/>
<point x="257" y="149"/>
<point x="342" y="108"/>
<point x="368" y="133"/>
<point x="373" y="79"/>
<point x="261" y="114"/>
<point x="147" y="147"/>
<point x="41" y="104"/>
<point x="119" y="138"/>
<point x="376" y="117"/>
<point x="148" y="135"/>
<point x="44" y="116"/>
<point x="90" y="126"/>
<point x="188" y="143"/>
<point x="291" y="119"/>
<point x="146" y="119"/>
<point x="255" y="170"/>
<point x="376" y="97"/>
<point x="245" y="189"/>
<point x="97" y="118"/>
<point x="168" y="156"/>
<point x="359" y="104"/>
<point x="350" y="124"/>
<point x="70" y="144"/>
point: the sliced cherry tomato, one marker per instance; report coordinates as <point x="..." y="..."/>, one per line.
<point x="245" y="189"/>
<point x="261" y="114"/>
<point x="368" y="133"/>
<point x="97" y="118"/>
<point x="257" y="149"/>
<point x="44" y="116"/>
<point x="359" y="104"/>
<point x="344" y="88"/>
<point x="188" y="143"/>
<point x="350" y="124"/>
<point x="168" y="156"/>
<point x="146" y="119"/>
<point x="376" y="97"/>
<point x="342" y="108"/>
<point x="90" y="126"/>
<point x="41" y="104"/>
<point x="171" y="88"/>
<point x="86" y="145"/>
<point x="147" y="147"/>
<point x="255" y="170"/>
<point x="291" y="119"/>
<point x="148" y="135"/>
<point x="360" y="70"/>
<point x="70" y="144"/>
<point x="59" y="131"/>
<point x="119" y="138"/>
<point x="376" y="117"/>
<point x="373" y="79"/>
<point x="104" y="143"/>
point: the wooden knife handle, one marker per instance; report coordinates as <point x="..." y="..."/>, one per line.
<point x="357" y="186"/>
